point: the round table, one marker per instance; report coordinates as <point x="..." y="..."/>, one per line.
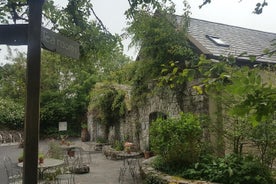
<point x="70" y="149"/>
<point x="47" y="164"/>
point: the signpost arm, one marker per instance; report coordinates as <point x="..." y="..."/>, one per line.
<point x="31" y="128"/>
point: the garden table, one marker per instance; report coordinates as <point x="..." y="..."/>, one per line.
<point x="70" y="149"/>
<point x="47" y="164"/>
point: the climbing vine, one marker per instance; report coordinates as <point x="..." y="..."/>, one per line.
<point x="107" y="103"/>
<point x="162" y="38"/>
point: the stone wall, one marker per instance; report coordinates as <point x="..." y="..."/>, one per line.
<point x="136" y="124"/>
<point x="96" y="129"/>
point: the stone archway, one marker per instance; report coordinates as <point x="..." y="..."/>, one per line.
<point x="154" y="115"/>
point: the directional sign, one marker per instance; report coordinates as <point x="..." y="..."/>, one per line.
<point x="56" y="43"/>
<point x="17" y="34"/>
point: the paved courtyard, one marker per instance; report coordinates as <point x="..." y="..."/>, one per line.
<point x="102" y="170"/>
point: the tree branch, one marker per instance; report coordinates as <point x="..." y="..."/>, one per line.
<point x="101" y="23"/>
<point x="258" y="9"/>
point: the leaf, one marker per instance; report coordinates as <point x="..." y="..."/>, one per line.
<point x="175" y="70"/>
<point x="198" y="89"/>
<point x="164" y="70"/>
<point x="230" y="171"/>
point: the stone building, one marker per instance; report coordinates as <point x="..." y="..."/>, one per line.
<point x="213" y="40"/>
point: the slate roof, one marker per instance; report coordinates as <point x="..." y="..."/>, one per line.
<point x="238" y="39"/>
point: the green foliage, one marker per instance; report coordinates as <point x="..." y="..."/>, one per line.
<point x="84" y="125"/>
<point x="55" y="151"/>
<point x="149" y="5"/>
<point x="256" y="97"/>
<point x="177" y="140"/>
<point x="231" y="169"/>
<point x="140" y="81"/>
<point x="11" y="114"/>
<point x="258" y="8"/>
<point x="101" y="140"/>
<point x="248" y="101"/>
<point x="8" y="9"/>
<point x="160" y="37"/>
<point x="13" y="80"/>
<point x="173" y="74"/>
<point x="118" y="145"/>
<point x="264" y="137"/>
<point x="107" y="103"/>
<point x="162" y="40"/>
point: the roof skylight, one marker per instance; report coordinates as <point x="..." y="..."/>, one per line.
<point x="217" y="41"/>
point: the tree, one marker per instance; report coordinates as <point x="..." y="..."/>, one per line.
<point x="11" y="114"/>
<point x="258" y="9"/>
<point x="162" y="38"/>
<point x="65" y="83"/>
<point x="12" y="79"/>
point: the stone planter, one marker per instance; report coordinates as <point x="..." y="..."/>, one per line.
<point x="81" y="169"/>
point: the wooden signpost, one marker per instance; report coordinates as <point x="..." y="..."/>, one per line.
<point x="35" y="37"/>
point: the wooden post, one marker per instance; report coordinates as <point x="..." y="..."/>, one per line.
<point x="31" y="127"/>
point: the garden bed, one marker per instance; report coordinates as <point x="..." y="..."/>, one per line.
<point x="150" y="175"/>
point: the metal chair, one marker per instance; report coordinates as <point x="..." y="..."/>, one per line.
<point x="14" y="175"/>
<point x="132" y="165"/>
<point x="67" y="173"/>
<point x="84" y="155"/>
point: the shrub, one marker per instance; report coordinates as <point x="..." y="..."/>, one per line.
<point x="232" y="169"/>
<point x="118" y="145"/>
<point x="11" y="114"/>
<point x="177" y="140"/>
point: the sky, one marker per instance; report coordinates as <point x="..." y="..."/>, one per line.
<point x="231" y="12"/>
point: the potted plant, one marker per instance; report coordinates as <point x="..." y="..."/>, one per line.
<point x="127" y="149"/>
<point x="40" y="158"/>
<point x="20" y="158"/>
<point x="84" y="133"/>
<point x="63" y="139"/>
<point x="147" y="152"/>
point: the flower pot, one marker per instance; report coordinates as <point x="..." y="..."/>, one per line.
<point x="20" y="160"/>
<point x="85" y="135"/>
<point x="146" y="154"/>
<point x="41" y="160"/>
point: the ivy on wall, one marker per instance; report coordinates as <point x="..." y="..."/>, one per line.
<point x="107" y="103"/>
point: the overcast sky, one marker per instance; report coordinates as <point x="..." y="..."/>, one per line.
<point x="232" y="12"/>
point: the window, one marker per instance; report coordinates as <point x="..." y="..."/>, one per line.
<point x="217" y="41"/>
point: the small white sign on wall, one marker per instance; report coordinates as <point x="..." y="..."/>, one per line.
<point x="62" y="126"/>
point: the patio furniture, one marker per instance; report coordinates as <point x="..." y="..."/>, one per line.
<point x="67" y="174"/>
<point x="48" y="163"/>
<point x="14" y="175"/>
<point x="84" y="155"/>
<point x="69" y="149"/>
<point x="131" y="163"/>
